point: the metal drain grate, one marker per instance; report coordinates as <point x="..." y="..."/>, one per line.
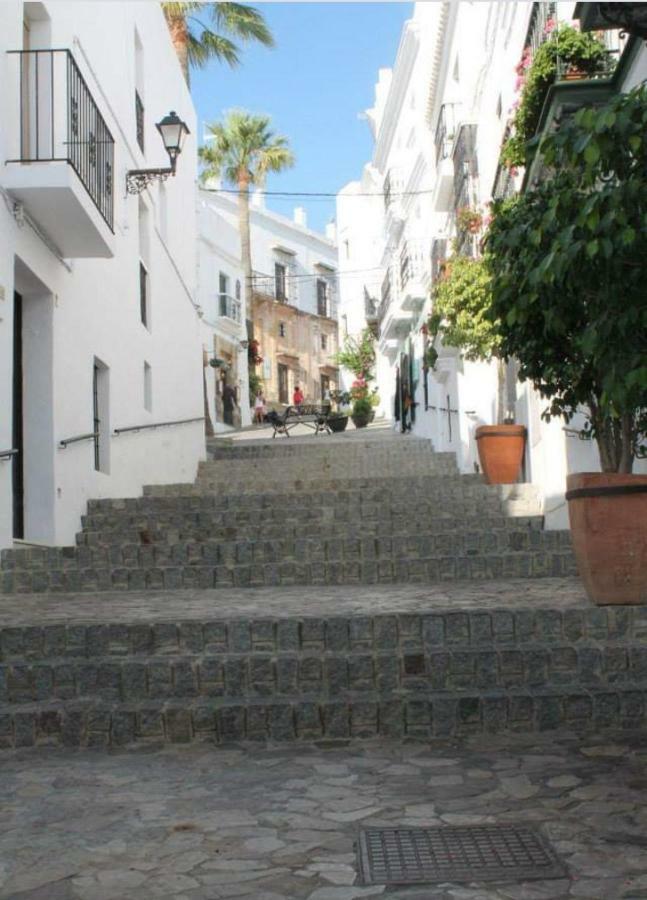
<point x="465" y="854"/>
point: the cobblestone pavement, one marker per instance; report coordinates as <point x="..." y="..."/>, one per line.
<point x="318" y="600"/>
<point x="277" y="823"/>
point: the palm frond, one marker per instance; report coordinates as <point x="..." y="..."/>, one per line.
<point x="207" y="45"/>
<point x="241" y="21"/>
<point x="244" y="143"/>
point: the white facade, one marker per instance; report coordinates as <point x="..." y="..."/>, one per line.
<point x="110" y="331"/>
<point x="307" y="257"/>
<point x="438" y="122"/>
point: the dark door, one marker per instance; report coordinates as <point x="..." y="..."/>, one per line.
<point x="280" y="291"/>
<point x="322" y="298"/>
<point x="17" y="435"/>
<point x="96" y="420"/>
<point x="283" y="383"/>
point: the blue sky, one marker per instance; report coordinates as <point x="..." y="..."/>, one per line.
<point x="314" y="83"/>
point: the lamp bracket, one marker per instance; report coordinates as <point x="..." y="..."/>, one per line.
<point x="137" y="180"/>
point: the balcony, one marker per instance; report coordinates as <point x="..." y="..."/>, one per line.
<point x="224" y="312"/>
<point x="60" y="166"/>
<point x="465" y="166"/>
<point x="268" y="287"/>
<point x="438" y="256"/>
<point x="415" y="271"/>
<point x="394" y="186"/>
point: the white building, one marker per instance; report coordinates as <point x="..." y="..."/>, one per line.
<point x="99" y="332"/>
<point x="294" y="291"/>
<point x="438" y="121"/>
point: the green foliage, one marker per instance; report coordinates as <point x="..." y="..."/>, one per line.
<point x="568" y="262"/>
<point x="461" y="304"/>
<point x="362" y="407"/>
<point x="244" y="149"/>
<point x="358" y="355"/>
<point x="214" y="40"/>
<point x="566" y="48"/>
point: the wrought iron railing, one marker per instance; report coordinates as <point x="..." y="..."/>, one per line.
<point x="269" y="286"/>
<point x="139" y="120"/>
<point x="414" y="261"/>
<point x="465" y="164"/>
<point x="229" y="307"/>
<point x="60" y="122"/>
<point x="445" y="129"/>
<point x="393" y="187"/>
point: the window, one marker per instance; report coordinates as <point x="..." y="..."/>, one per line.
<point x="144" y="278"/>
<point x="237" y="289"/>
<point x="324" y="341"/>
<point x="143" y="293"/>
<point x="282" y="329"/>
<point x="223" y="283"/>
<point x="322" y="297"/>
<point x="101" y="415"/>
<point x="139" y="91"/>
<point x="148" y="388"/>
<point x="280" y="282"/>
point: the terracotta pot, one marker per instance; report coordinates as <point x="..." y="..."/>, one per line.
<point x="608" y="516"/>
<point x="501" y="452"/>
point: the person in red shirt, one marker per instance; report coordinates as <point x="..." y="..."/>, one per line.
<point x="297" y="397"/>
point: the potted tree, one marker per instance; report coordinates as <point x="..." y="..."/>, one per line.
<point x="338" y="417"/>
<point x="568" y="263"/>
<point x="460" y="317"/>
<point x="358" y="355"/>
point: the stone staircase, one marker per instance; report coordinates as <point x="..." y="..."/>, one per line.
<point x="279" y="514"/>
<point x="334" y="517"/>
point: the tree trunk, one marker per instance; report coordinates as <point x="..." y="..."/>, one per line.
<point x="180" y="36"/>
<point x="615" y="440"/>
<point x="245" y="243"/>
<point x="501" y="391"/>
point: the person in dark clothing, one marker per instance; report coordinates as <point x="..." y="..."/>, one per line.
<point x="228" y="404"/>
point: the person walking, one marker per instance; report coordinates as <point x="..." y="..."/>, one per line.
<point x="228" y="404"/>
<point x="259" y="407"/>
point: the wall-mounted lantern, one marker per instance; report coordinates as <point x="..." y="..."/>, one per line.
<point x="173" y="131"/>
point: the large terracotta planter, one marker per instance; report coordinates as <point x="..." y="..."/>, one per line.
<point x="608" y="515"/>
<point x="501" y="452"/>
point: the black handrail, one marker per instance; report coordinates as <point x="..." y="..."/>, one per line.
<point x="91" y="435"/>
<point x="7" y="454"/>
<point x="157" y="425"/>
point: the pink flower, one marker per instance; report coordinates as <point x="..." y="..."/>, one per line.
<point x="550" y="25"/>
<point x="514" y="171"/>
<point x="515" y="104"/>
<point x="519" y="83"/>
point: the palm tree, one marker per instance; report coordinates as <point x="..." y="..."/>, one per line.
<point x="242" y="151"/>
<point x="196" y="43"/>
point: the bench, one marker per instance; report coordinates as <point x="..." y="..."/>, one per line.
<point x="315" y="417"/>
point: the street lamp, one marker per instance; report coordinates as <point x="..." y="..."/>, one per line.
<point x="173" y="132"/>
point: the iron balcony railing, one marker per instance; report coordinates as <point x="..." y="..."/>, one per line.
<point x="465" y="165"/>
<point x="385" y="299"/>
<point x="540" y="15"/>
<point x="229" y="307"/>
<point x="60" y="122"/>
<point x="370" y="306"/>
<point x="445" y="130"/>
<point x="393" y="188"/>
<point x="414" y="261"/>
<point x="270" y="286"/>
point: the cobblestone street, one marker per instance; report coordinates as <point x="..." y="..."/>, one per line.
<point x="276" y="823"/>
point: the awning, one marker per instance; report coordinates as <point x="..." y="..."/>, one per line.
<point x="281" y="249"/>
<point x="326" y="266"/>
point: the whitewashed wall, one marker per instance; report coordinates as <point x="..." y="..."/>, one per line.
<point x="82" y="309"/>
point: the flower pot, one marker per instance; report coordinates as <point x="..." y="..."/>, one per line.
<point x="608" y="516"/>
<point x="501" y="452"/>
<point x="361" y="421"/>
<point x="337" y="423"/>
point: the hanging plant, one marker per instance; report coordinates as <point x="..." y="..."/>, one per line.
<point x="469" y="220"/>
<point x="567" y="48"/>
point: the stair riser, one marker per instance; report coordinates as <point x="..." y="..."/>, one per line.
<point x="418" y="718"/>
<point x="304" y="550"/>
<point x="172" y="533"/>
<point x="528" y="666"/>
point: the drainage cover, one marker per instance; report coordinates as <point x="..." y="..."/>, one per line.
<point x="465" y="854"/>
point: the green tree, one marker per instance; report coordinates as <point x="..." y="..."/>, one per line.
<point x="243" y="150"/>
<point x="568" y="262"/>
<point x="196" y="43"/>
<point x="462" y="299"/>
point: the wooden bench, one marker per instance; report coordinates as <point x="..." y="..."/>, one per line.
<point x="313" y="416"/>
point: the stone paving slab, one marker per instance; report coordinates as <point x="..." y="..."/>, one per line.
<point x="279" y="823"/>
<point x="285" y="602"/>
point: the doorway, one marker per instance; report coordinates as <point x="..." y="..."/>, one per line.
<point x="18" y="473"/>
<point x="283" y="383"/>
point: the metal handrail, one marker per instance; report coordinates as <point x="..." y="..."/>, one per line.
<point x="157" y="425"/>
<point x="91" y="435"/>
<point x="7" y="454"/>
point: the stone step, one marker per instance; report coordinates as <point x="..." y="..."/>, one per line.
<point x="339" y="449"/>
<point x="325" y="675"/>
<point x="302" y="549"/>
<point x="420" y="716"/>
<point x="202" y="573"/>
<point x="229" y="526"/>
